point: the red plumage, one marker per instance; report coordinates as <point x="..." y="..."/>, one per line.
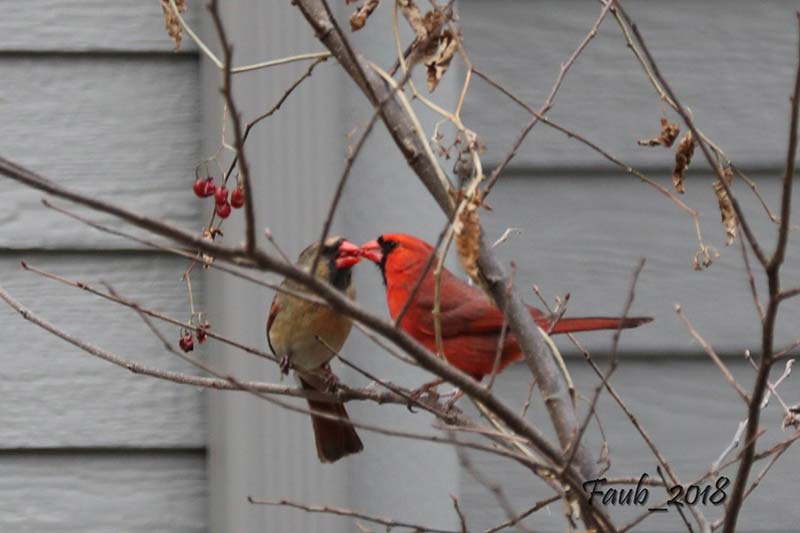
<point x="470" y="323"/>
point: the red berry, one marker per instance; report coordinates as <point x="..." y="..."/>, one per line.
<point x="223" y="210"/>
<point x="237" y="197"/>
<point x="221" y="195"/>
<point x="199" y="187"/>
<point x="210" y="187"/>
<point x="186" y="343"/>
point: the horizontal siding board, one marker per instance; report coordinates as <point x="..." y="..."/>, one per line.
<point x="584" y="234"/>
<point x="123" y="130"/>
<point x="690" y="412"/>
<point x="97" y="494"/>
<point x="88" y="25"/>
<point x="731" y="62"/>
<point x="63" y="396"/>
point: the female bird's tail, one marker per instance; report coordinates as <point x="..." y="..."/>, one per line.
<point x="334" y="438"/>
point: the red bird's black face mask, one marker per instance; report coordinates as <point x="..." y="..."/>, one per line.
<point x="378" y="252"/>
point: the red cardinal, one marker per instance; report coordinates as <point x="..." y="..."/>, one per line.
<point x="470" y="323"/>
<point x="294" y="328"/>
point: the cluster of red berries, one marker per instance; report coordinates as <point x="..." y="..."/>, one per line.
<point x="204" y="188"/>
<point x="186" y="342"/>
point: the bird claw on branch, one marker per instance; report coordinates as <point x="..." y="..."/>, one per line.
<point x="285" y="365"/>
<point x="426" y="390"/>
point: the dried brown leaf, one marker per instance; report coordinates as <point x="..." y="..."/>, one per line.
<point x="440" y="43"/>
<point x="704" y="257"/>
<point x="171" y="22"/>
<point x="683" y="157"/>
<point x="725" y="207"/>
<point x="792" y="419"/>
<point x="359" y="18"/>
<point x="468" y="231"/>
<point x="669" y="132"/>
<point x="438" y="62"/>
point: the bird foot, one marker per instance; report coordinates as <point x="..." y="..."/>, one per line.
<point x="428" y="389"/>
<point x="451" y="403"/>
<point x="284" y="365"/>
<point x="331" y="383"/>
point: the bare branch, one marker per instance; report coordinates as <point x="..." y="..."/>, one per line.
<point x="612" y="366"/>
<point x="245" y="68"/>
<point x="461" y="519"/>
<point x="340" y="511"/>
<point x="548" y="103"/>
<point x="227" y="93"/>
<point x="572" y="134"/>
<point x="713" y="355"/>
<point x="517" y="519"/>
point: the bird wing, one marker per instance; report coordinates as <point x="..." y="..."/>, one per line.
<point x="273" y="312"/>
<point x="475" y="316"/>
<point x="464" y="310"/>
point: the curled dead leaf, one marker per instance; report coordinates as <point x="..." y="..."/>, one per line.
<point x="792" y="418"/>
<point x="683" y="157"/>
<point x="669" y="132"/>
<point x="440" y="43"/>
<point x="704" y="257"/>
<point x="359" y="18"/>
<point x="468" y="231"/>
<point x="171" y="22"/>
<point x="438" y="62"/>
<point x="726" y="207"/>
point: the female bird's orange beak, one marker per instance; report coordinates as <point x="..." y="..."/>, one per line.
<point x="347" y="255"/>
<point x="372" y="251"/>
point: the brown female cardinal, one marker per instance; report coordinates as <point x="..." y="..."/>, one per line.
<point x="470" y="322"/>
<point x="294" y="330"/>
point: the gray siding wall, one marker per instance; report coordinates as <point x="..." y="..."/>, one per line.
<point x="92" y="96"/>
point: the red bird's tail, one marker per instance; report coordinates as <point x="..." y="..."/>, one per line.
<point x="591" y="323"/>
<point x="334" y="438"/>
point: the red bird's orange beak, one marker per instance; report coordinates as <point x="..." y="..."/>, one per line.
<point x="372" y="251"/>
<point x="347" y="255"/>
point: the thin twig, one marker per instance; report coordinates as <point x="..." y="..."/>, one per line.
<point x="572" y="134"/>
<point x="346" y="394"/>
<point x="713" y="355"/>
<point x="350" y="160"/>
<point x="245" y="68"/>
<point x="702" y="142"/>
<point x="517" y="519"/>
<point x="272" y="110"/>
<point x="183" y="253"/>
<point x="751" y="280"/>
<point x="493" y="487"/>
<point x="227" y="94"/>
<point x="679" y="508"/>
<point x="549" y="101"/>
<point x="612" y="363"/>
<point x="155" y="314"/>
<point x="461" y="519"/>
<point x="340" y="511"/>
